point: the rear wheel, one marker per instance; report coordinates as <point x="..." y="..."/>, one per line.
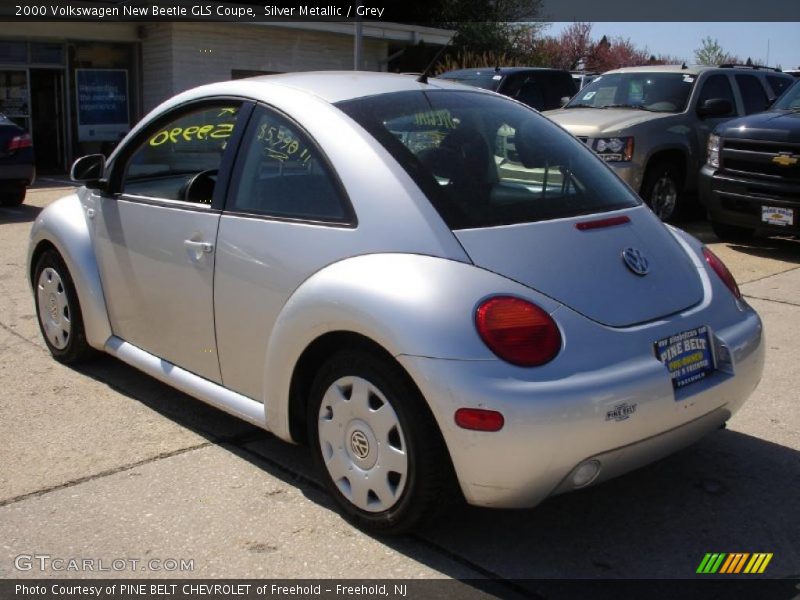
<point x="732" y="233"/>
<point x="13" y="196"/>
<point x="375" y="443"/>
<point x="662" y="189"/>
<point x="58" y="311"/>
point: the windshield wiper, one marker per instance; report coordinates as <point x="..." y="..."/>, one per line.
<point x="637" y="106"/>
<point x="580" y="105"/>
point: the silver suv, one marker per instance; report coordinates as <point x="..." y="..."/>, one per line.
<point x="651" y="124"/>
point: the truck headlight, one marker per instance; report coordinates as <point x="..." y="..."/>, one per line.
<point x="614" y="149"/>
<point x="712" y="158"/>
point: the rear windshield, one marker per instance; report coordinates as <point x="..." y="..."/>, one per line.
<point x="542" y="90"/>
<point x="484" y="161"/>
<point x="657" y="92"/>
<point x="488" y="79"/>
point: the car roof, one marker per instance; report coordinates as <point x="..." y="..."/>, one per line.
<point x="335" y="86"/>
<point x="500" y="70"/>
<point x="688" y="69"/>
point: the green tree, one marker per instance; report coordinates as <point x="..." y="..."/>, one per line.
<point x="491" y="28"/>
<point x="711" y="53"/>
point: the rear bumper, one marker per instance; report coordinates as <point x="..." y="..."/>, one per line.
<point x="18" y="173"/>
<point x="738" y="201"/>
<point x="553" y="427"/>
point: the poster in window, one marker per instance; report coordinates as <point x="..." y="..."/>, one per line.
<point x="102" y="101"/>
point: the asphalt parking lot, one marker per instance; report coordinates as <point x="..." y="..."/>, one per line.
<point x="103" y="462"/>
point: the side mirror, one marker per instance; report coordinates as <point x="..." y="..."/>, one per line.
<point x="715" y="107"/>
<point x="88" y="169"/>
<point x="564" y="100"/>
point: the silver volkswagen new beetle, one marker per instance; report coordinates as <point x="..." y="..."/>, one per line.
<point x="428" y="284"/>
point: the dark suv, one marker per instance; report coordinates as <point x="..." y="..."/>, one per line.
<point x="542" y="89"/>
<point x="751" y="179"/>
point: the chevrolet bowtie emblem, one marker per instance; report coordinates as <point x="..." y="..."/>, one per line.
<point x="785" y="159"/>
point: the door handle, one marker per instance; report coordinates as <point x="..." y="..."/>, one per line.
<point x="199" y="247"/>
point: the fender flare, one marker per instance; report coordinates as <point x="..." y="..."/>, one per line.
<point x="408" y="304"/>
<point x="62" y="225"/>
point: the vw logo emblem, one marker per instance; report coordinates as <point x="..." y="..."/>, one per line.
<point x="359" y="444"/>
<point x="635" y="261"/>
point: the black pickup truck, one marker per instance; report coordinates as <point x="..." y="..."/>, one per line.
<point x="751" y="179"/>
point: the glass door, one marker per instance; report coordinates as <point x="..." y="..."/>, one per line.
<point x="15" y="96"/>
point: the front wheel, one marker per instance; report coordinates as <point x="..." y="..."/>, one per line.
<point x="58" y="311"/>
<point x="375" y="443"/>
<point x="662" y="190"/>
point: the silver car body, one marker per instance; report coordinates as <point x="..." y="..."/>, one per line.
<point x="228" y="319"/>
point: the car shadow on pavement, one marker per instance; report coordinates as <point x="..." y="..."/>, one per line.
<point x="19" y="214"/>
<point x="782" y="249"/>
<point x="730" y="492"/>
<point x="765" y="246"/>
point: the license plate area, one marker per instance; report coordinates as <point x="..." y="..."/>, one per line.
<point x="776" y="215"/>
<point x="688" y="356"/>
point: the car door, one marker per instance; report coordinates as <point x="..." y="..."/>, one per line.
<point x="155" y="233"/>
<point x="717" y="85"/>
<point x="286" y="217"/>
<point x="754" y="96"/>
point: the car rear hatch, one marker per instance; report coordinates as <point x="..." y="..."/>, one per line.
<point x="579" y="262"/>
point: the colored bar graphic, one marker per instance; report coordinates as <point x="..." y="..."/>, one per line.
<point x="734" y="562"/>
<point x="741" y="562"/>
<point x="703" y="563"/>
<point x="718" y="562"/>
<point x="765" y="563"/>
<point x="727" y="564"/>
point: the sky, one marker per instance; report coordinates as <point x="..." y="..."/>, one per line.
<point x="681" y="39"/>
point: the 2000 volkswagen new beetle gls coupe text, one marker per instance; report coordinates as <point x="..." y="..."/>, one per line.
<point x="433" y="286"/>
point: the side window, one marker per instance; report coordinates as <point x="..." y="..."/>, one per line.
<point x="281" y="174"/>
<point x="180" y="159"/>
<point x="718" y="86"/>
<point x="778" y="84"/>
<point x="753" y="94"/>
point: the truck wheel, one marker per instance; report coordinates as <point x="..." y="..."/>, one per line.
<point x="58" y="310"/>
<point x="375" y="443"/>
<point x="662" y="189"/>
<point x="732" y="233"/>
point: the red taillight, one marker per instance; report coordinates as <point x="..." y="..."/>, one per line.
<point x="18" y="142"/>
<point x="479" y="419"/>
<point x="517" y="331"/>
<point x="720" y="269"/>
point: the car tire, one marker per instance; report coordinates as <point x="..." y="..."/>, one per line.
<point x="662" y="190"/>
<point x="14" y="196"/>
<point x="376" y="444"/>
<point x="58" y="311"/>
<point x="732" y="233"/>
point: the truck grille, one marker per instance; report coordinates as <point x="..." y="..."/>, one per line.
<point x="761" y="159"/>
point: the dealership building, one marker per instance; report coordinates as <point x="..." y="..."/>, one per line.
<point x="79" y="86"/>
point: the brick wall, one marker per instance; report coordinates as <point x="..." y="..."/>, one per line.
<point x="178" y="56"/>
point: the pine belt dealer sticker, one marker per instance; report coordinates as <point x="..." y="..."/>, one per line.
<point x="775" y="215"/>
<point x="687" y="355"/>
